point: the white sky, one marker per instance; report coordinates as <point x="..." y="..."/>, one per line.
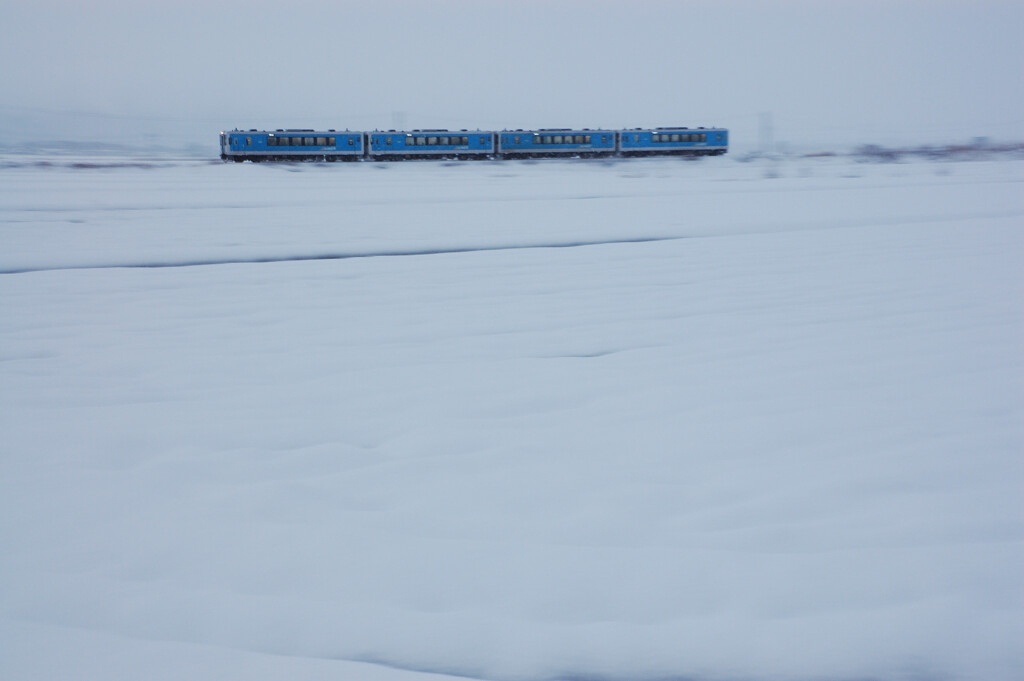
<point x="842" y="72"/>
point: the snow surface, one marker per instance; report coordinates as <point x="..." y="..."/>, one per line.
<point x="515" y="421"/>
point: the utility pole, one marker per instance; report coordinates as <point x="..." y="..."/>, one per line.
<point x="765" y="133"/>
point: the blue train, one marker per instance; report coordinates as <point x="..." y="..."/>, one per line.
<point x="348" y="145"/>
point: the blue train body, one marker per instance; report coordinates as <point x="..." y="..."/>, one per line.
<point x="349" y="145"/>
<point x="667" y="141"/>
<point x="431" y="144"/>
<point x="555" y="142"/>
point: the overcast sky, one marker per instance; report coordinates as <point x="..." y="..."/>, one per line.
<point x="837" y="72"/>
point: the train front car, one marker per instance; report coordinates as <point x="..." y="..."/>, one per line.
<point x="556" y="143"/>
<point x="435" y="144"/>
<point x="291" y="145"/>
<point x="673" y="141"/>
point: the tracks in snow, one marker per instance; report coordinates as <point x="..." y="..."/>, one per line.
<point x="203" y="262"/>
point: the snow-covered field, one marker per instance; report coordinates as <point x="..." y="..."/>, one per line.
<point x="652" y="419"/>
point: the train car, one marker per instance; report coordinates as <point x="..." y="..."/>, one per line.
<point x="555" y="143"/>
<point x="291" y="145"/>
<point x="420" y="144"/>
<point x="673" y="141"/>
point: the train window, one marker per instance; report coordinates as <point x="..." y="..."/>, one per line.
<point x="321" y="141"/>
<point x="432" y="141"/>
<point x="464" y="141"/>
<point x="351" y="142"/>
<point x="442" y="140"/>
<point x="248" y="141"/>
<point x="483" y="140"/>
<point x="271" y="141"/>
<point x="387" y="141"/>
<point x="331" y="141"/>
<point x="309" y="141"/>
